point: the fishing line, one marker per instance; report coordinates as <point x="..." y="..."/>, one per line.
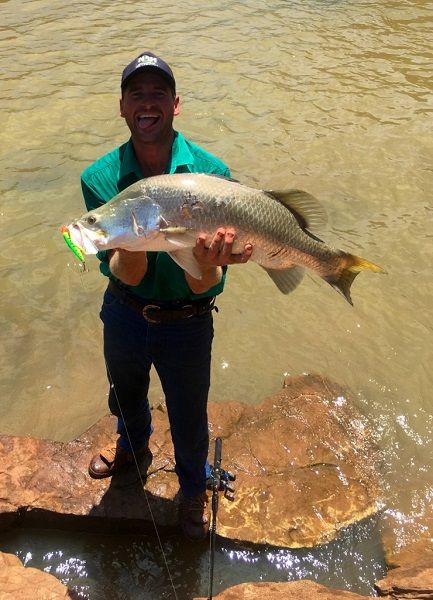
<point x="161" y="547"/>
<point x="220" y="479"/>
<point x="216" y="482"/>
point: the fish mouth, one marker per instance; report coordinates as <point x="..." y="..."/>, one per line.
<point x="84" y="239"/>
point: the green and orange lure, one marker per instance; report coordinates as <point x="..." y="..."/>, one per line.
<point x="75" y="249"/>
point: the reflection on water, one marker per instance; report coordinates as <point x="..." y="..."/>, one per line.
<point x="331" y="97"/>
<point x="130" y="567"/>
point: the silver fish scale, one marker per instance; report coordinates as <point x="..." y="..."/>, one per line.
<point x="166" y="213"/>
<point x="205" y="202"/>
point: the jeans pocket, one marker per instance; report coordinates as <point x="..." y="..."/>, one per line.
<point x="109" y="301"/>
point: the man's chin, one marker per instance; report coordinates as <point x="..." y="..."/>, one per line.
<point x="149" y="136"/>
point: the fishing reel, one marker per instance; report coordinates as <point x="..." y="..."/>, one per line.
<point x="220" y="480"/>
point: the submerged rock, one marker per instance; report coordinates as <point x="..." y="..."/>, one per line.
<point x="304" y="461"/>
<point x="409" y="539"/>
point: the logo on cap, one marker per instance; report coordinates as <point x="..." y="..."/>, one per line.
<point x="145" y="60"/>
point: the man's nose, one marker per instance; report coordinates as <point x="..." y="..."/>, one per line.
<point x="148" y="100"/>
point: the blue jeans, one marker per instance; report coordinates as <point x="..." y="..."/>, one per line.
<point x="181" y="354"/>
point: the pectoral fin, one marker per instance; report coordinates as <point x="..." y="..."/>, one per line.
<point x="186" y="261"/>
<point x="138" y="230"/>
<point x="286" y="280"/>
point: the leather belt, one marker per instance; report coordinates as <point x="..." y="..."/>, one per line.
<point x="155" y="311"/>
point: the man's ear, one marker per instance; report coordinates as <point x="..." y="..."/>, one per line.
<point x="176" y="106"/>
<point x="121" y="107"/>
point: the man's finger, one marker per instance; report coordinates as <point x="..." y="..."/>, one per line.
<point x="216" y="243"/>
<point x="200" y="248"/>
<point x="244" y="257"/>
<point x="227" y="245"/>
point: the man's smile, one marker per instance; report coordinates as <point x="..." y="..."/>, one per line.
<point x="146" y="120"/>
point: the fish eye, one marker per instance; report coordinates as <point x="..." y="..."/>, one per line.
<point x="91" y="220"/>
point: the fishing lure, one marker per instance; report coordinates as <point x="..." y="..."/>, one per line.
<point x="75" y="249"/>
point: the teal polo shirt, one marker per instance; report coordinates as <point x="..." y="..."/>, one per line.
<point x="115" y="171"/>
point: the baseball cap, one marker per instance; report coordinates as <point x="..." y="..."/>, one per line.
<point x="147" y="61"/>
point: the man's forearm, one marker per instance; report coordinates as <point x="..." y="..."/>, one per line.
<point x="211" y="276"/>
<point x="129" y="267"/>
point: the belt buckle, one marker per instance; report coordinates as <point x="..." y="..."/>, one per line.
<point x="145" y="315"/>
<point x="191" y="307"/>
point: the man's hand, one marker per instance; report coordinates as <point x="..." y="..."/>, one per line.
<point x="210" y="260"/>
<point x="219" y="253"/>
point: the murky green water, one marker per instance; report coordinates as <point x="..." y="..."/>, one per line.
<point x="331" y="97"/>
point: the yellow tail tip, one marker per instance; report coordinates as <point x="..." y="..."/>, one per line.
<point x="358" y="264"/>
<point x="352" y="266"/>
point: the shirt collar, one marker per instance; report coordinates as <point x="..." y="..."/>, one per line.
<point x="130" y="171"/>
<point x="180" y="154"/>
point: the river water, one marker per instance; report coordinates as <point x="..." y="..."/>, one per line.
<point x="334" y="97"/>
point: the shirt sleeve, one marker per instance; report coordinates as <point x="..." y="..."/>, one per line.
<point x="91" y="197"/>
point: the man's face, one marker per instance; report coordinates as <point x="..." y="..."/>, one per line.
<point x="148" y="107"/>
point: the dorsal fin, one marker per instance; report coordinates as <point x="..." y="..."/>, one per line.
<point x="222" y="177"/>
<point x="305" y="207"/>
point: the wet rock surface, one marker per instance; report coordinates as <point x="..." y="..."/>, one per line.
<point x="26" y="583"/>
<point x="397" y="535"/>
<point x="304" y="461"/>
<point x="296" y="590"/>
<point x="413" y="581"/>
<point x="411" y="575"/>
<point x="305" y="466"/>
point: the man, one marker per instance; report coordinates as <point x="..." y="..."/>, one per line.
<point x="178" y="340"/>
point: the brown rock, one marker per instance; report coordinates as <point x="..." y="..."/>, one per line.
<point x="303" y="458"/>
<point x="295" y="590"/>
<point x="409" y="540"/>
<point x="305" y="466"/>
<point x="413" y="581"/>
<point x="26" y="583"/>
<point x="417" y="552"/>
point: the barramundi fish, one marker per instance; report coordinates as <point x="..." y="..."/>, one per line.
<point x="168" y="212"/>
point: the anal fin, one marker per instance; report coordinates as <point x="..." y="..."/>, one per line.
<point x="286" y="280"/>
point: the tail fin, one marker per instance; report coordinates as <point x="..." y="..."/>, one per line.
<point x="344" y="279"/>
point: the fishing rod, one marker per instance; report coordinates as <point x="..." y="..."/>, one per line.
<point x="219" y="480"/>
